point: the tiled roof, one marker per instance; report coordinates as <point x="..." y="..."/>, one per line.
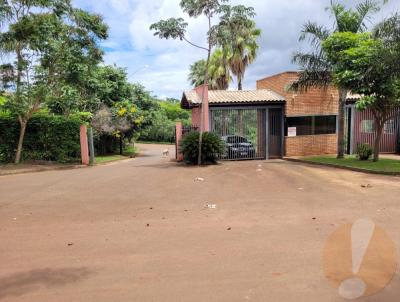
<point x="228" y="96"/>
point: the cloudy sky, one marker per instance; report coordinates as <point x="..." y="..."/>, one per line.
<point x="162" y="66"/>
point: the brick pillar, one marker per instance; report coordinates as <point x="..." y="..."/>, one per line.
<point x="84" y="145"/>
<point x="178" y="131"/>
<point x="206" y="119"/>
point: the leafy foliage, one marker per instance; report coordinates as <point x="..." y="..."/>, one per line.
<point x="218" y="70"/>
<point x="316" y="68"/>
<point x="238" y="36"/>
<point x="162" y="128"/>
<point x="368" y="64"/>
<point x="50" y="45"/>
<point x="48" y="137"/>
<point x="363" y="151"/>
<point x="173" y="28"/>
<point x="212" y="146"/>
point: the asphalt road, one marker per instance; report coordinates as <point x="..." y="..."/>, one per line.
<point x="141" y="230"/>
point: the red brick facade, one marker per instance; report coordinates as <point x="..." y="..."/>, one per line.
<point x="313" y="102"/>
<point x="311" y="145"/>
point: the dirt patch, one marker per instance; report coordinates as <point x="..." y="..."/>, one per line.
<point x="146" y="229"/>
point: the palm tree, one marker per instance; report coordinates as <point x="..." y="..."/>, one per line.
<point x="243" y="50"/>
<point x="220" y="75"/>
<point x="316" y="70"/>
<point x="197" y="72"/>
<point x="218" y="71"/>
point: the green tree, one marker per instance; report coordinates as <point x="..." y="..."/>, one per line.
<point x="196" y="73"/>
<point x="316" y="69"/>
<point x="175" y="28"/>
<point x="119" y="121"/>
<point x="218" y="70"/>
<point x="220" y="76"/>
<point x="41" y="35"/>
<point x="368" y="64"/>
<point x="239" y="39"/>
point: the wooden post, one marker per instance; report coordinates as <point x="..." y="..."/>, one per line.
<point x="84" y="145"/>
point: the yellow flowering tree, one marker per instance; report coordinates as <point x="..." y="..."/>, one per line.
<point x="121" y="121"/>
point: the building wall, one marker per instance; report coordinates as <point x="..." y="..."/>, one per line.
<point x="311" y="145"/>
<point x="196" y="116"/>
<point x="313" y="102"/>
<point x="364" y="131"/>
<point x="196" y="112"/>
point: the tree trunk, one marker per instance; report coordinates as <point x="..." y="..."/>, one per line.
<point x="240" y="86"/>
<point x="341" y="124"/>
<point x="378" y="137"/>
<point x="199" y="161"/>
<point x="22" y="130"/>
<point x="120" y="145"/>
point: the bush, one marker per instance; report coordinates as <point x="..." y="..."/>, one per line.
<point x="212" y="146"/>
<point x="364" y="151"/>
<point x="47" y="137"/>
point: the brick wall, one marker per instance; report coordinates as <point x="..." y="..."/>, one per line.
<point x="311" y="145"/>
<point x="313" y="102"/>
<point x="196" y="116"/>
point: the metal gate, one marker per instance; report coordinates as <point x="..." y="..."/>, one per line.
<point x="242" y="130"/>
<point x="275" y="138"/>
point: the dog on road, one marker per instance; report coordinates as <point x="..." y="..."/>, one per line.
<point x="165" y="152"/>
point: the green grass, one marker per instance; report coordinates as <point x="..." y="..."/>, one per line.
<point x="154" y="143"/>
<point x="383" y="165"/>
<point x="109" y="158"/>
<point x="129" y="152"/>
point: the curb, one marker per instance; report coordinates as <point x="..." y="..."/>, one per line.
<point x="342" y="167"/>
<point x="36" y="170"/>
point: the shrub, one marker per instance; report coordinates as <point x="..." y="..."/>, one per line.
<point x="47" y="137"/>
<point x="364" y="151"/>
<point x="212" y="145"/>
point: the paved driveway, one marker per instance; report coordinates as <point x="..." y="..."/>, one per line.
<point x="140" y="230"/>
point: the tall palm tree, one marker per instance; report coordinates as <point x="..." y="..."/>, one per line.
<point x="196" y="74"/>
<point x="219" y="76"/>
<point x="243" y="49"/>
<point x="316" y="70"/>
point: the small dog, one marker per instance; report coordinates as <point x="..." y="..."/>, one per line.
<point x="165" y="152"/>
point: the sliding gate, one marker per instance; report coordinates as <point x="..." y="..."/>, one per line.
<point x="246" y="133"/>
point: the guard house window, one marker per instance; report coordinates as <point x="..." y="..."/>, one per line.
<point x="312" y="125"/>
<point x="367" y="126"/>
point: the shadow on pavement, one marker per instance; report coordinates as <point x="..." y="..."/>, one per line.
<point x="22" y="283"/>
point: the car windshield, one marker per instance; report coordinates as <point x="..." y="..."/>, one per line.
<point x="236" y="139"/>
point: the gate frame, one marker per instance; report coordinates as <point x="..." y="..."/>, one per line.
<point x="265" y="107"/>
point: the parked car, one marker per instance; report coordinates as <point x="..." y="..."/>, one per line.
<point x="238" y="147"/>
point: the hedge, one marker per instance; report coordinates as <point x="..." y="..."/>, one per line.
<point x="47" y="137"/>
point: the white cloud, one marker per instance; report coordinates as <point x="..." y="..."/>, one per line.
<point x="132" y="45"/>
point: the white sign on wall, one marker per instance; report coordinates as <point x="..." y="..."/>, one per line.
<point x="292" y="131"/>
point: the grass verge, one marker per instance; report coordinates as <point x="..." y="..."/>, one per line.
<point x="129" y="152"/>
<point x="383" y="165"/>
<point x="109" y="158"/>
<point x="154" y="143"/>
